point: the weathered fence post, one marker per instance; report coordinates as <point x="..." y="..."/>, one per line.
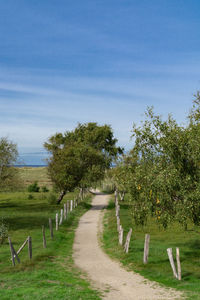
<point x="128" y="238"/>
<point x="51" y="227"/>
<point x="178" y="263"/>
<point x="146" y="248"/>
<point x="169" y="252"/>
<point x="71" y="205"/>
<point x="43" y="236"/>
<point x="61" y="216"/>
<point x="65" y="211"/>
<point x="118" y="223"/>
<point x="13" y="252"/>
<point x="68" y="209"/>
<point x="121" y="235"/>
<point x="30" y="247"/>
<point x="56" y="221"/>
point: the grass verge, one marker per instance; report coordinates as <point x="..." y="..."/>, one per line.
<point x="51" y="273"/>
<point x="158" y="267"/>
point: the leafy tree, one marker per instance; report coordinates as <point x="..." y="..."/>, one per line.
<point x="165" y="172"/>
<point x="8" y="156"/>
<point x="80" y="157"/>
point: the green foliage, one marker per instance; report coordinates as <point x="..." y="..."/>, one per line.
<point x="33" y="188"/>
<point x="30" y="197"/>
<point x="162" y="171"/>
<point x="3" y="231"/>
<point x="8" y="156"/>
<point x="79" y="158"/>
<point x="44" y="189"/>
<point x="52" y="198"/>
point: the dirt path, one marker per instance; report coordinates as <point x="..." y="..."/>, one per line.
<point x="105" y="273"/>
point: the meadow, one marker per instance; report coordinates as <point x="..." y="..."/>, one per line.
<point x="51" y="273"/>
<point x="158" y="267"/>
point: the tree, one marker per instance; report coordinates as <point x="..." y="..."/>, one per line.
<point x="8" y="156"/>
<point x="166" y="169"/>
<point x="80" y="157"/>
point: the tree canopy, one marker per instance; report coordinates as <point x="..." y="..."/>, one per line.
<point x="8" y="156"/>
<point x="80" y="157"/>
<point x="163" y="169"/>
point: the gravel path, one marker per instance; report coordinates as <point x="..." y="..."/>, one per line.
<point x="115" y="282"/>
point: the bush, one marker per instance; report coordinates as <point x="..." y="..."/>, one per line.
<point x="44" y="189"/>
<point x="3" y="231"/>
<point x="30" y="197"/>
<point x="33" y="188"/>
<point x="52" y="198"/>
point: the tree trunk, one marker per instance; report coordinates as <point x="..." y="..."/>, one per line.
<point x="62" y="194"/>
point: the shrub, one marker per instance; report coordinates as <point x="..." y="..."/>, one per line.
<point x="44" y="189"/>
<point x="52" y="198"/>
<point x="30" y="196"/>
<point x="33" y="188"/>
<point x="3" y="231"/>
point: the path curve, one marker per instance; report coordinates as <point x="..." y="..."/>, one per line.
<point x="105" y="273"/>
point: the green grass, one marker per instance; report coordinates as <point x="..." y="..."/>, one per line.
<point x="29" y="175"/>
<point x="51" y="273"/>
<point x="158" y="267"/>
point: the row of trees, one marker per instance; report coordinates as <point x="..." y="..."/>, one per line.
<point x="161" y="174"/>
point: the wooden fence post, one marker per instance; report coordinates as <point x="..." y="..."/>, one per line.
<point x="44" y="238"/>
<point x="118" y="223"/>
<point x="178" y="263"/>
<point x="30" y="247"/>
<point x="68" y="209"/>
<point x="128" y="238"/>
<point x="71" y="205"/>
<point x="65" y="211"/>
<point x="121" y="235"/>
<point x="169" y="252"/>
<point x="51" y="227"/>
<point x="56" y="221"/>
<point x="61" y="216"/>
<point x="13" y="252"/>
<point x="146" y="248"/>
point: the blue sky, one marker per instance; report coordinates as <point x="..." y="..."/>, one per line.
<point x="64" y="62"/>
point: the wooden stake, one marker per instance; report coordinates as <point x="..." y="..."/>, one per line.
<point x="44" y="238"/>
<point x="170" y="255"/>
<point x="56" y="221"/>
<point x="71" y="205"/>
<point x="65" y="211"/>
<point x="128" y="238"/>
<point x="178" y="263"/>
<point x="118" y="223"/>
<point x="146" y="248"/>
<point x="13" y="252"/>
<point x="22" y="246"/>
<point x="61" y="216"/>
<point x="51" y="227"/>
<point x="30" y="247"/>
<point x="121" y="235"/>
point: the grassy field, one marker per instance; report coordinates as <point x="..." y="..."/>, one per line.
<point x="29" y="175"/>
<point x="158" y="267"/>
<point x="51" y="273"/>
